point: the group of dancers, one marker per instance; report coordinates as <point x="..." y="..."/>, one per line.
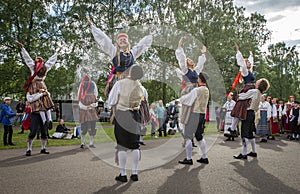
<point x="125" y="94"/>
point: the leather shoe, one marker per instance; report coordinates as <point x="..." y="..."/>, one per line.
<point x="44" y="151"/>
<point x="121" y="178"/>
<point x="202" y="160"/>
<point x="28" y="153"/>
<point x="240" y="156"/>
<point x="134" y="177"/>
<point x="186" y="161"/>
<point x="252" y="154"/>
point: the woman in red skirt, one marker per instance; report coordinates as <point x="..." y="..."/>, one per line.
<point x="26" y="119"/>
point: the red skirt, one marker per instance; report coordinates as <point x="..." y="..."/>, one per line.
<point x="275" y="128"/>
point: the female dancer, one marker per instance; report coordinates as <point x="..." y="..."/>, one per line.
<point x="122" y="55"/>
<point x="36" y="85"/>
<point x="240" y="109"/>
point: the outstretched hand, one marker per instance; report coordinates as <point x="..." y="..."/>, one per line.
<point x="180" y="42"/>
<point x="251" y="53"/>
<point x="236" y="46"/>
<point x="20" y="44"/>
<point x="89" y="20"/>
<point x="203" y="50"/>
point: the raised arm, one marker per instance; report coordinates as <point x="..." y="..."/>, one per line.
<point x="104" y="42"/>
<point x="241" y="62"/>
<point x="201" y="60"/>
<point x="143" y="45"/>
<point x="51" y="61"/>
<point x="28" y="60"/>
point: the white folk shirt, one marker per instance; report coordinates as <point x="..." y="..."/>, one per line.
<point x="229" y="105"/>
<point x="241" y="62"/>
<point x="265" y="106"/>
<point x="181" y="58"/>
<point x="106" y="45"/>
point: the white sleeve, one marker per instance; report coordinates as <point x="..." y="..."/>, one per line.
<point x="280" y="111"/>
<point x="28" y="60"/>
<point x="251" y="60"/>
<point x="269" y="110"/>
<point x="241" y="62"/>
<point x="145" y="93"/>
<point x="200" y="64"/>
<point x="189" y="99"/>
<point x="33" y="97"/>
<point x="113" y="97"/>
<point x="298" y="120"/>
<point x="51" y="61"/>
<point x="142" y="46"/>
<point x="95" y="90"/>
<point x="104" y="42"/>
<point x="179" y="73"/>
<point x="284" y="110"/>
<point x="249" y="94"/>
<point x="274" y="111"/>
<point x="82" y="106"/>
<point x="181" y="58"/>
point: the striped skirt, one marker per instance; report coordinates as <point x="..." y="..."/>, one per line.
<point x="262" y="126"/>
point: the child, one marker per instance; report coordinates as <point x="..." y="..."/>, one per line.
<point x="248" y="125"/>
<point x="6" y="119"/>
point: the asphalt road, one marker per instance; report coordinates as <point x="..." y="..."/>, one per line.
<point x="70" y="169"/>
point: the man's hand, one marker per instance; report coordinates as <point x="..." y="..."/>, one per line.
<point x="180" y="42"/>
<point x="20" y="44"/>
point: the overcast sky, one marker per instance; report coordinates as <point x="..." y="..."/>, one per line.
<point x="283" y="18"/>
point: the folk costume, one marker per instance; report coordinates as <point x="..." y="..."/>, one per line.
<point x="35" y="83"/>
<point x="197" y="100"/>
<point x="275" y="118"/>
<point x="248" y="125"/>
<point x="295" y="121"/>
<point x="125" y="98"/>
<point x="239" y="112"/>
<point x="286" y="114"/>
<point x="265" y="115"/>
<point x="87" y="99"/>
<point x="39" y="99"/>
<point x="121" y="59"/>
<point x="228" y="118"/>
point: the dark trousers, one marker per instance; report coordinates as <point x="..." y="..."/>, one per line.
<point x="7" y="131"/>
<point x="162" y="127"/>
<point x="36" y="124"/>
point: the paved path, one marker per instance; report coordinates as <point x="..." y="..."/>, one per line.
<point x="70" y="169"/>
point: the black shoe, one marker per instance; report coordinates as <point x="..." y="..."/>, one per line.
<point x="82" y="146"/>
<point x="134" y="177"/>
<point x="240" y="156"/>
<point x="202" y="160"/>
<point x="142" y="143"/>
<point x="252" y="154"/>
<point x="121" y="178"/>
<point x="44" y="151"/>
<point x="28" y="153"/>
<point x="272" y="138"/>
<point x="11" y="144"/>
<point x="91" y="146"/>
<point x="194" y="145"/>
<point x="228" y="139"/>
<point x="185" y="161"/>
<point x="21" y="132"/>
<point x="232" y="138"/>
<point x="263" y="140"/>
<point x="38" y="137"/>
<point x="297" y="139"/>
<point x="50" y="125"/>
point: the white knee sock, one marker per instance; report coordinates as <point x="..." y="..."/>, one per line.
<point x="234" y="123"/>
<point x="44" y="141"/>
<point x="122" y="155"/>
<point x="188" y="149"/>
<point x="48" y="112"/>
<point x="135" y="160"/>
<point x="43" y="116"/>
<point x="82" y="139"/>
<point x="202" y="145"/>
<point x="141" y="138"/>
<point x="29" y="144"/>
<point x="245" y="143"/>
<point x="253" y="145"/>
<point x="91" y="140"/>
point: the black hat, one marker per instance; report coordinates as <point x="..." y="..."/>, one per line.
<point x="203" y="76"/>
<point x="296" y="102"/>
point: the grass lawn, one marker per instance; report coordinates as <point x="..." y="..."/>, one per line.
<point x="105" y="133"/>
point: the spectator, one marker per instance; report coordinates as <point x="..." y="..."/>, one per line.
<point x="61" y="130"/>
<point x="20" y="110"/>
<point x="161" y="116"/>
<point x="154" y="121"/>
<point x="26" y="118"/>
<point x="217" y="112"/>
<point x="6" y="119"/>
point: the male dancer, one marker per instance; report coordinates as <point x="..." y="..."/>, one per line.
<point x="197" y="101"/>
